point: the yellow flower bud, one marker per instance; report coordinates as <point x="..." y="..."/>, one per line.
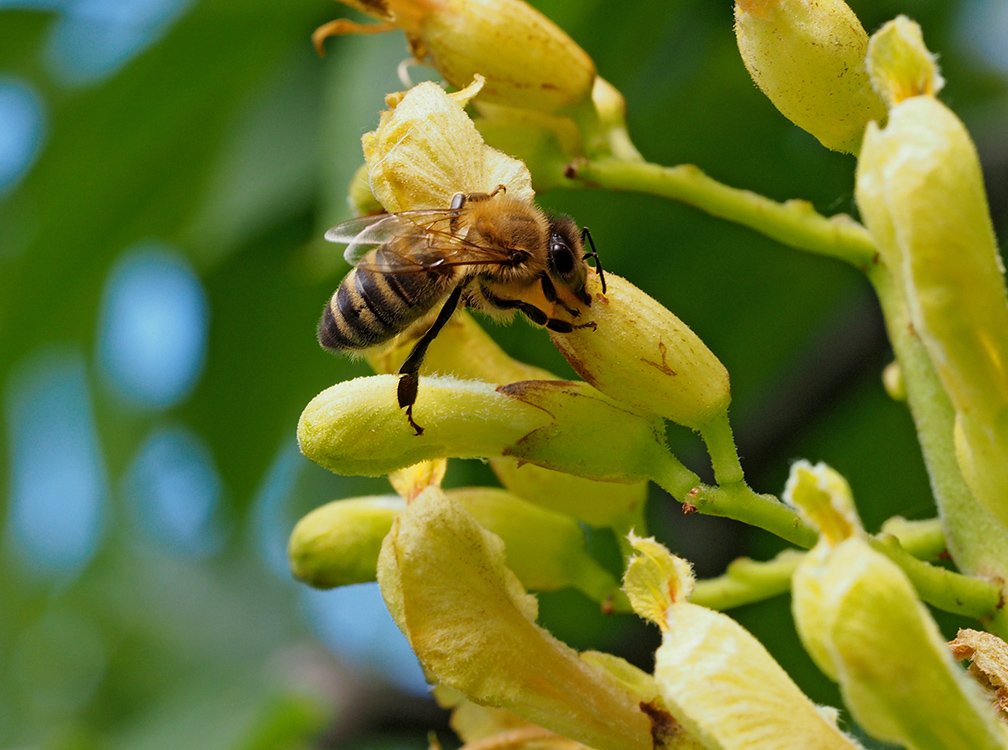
<point x="473" y="628"/>
<point x="921" y="193"/>
<point x="426" y="149"/>
<point x="337" y="544"/>
<point x="526" y="59"/>
<point x="715" y="677"/>
<point x="462" y="349"/>
<point x="356" y="427"/>
<point x="859" y="617"/>
<point x="645" y="357"/>
<point x="807" y="56"/>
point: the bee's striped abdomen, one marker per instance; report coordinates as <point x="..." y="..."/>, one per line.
<point x="371" y="307"/>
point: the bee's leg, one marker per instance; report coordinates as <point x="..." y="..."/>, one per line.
<point x="532" y="312"/>
<point x="409" y="373"/>
<point x="550" y="292"/>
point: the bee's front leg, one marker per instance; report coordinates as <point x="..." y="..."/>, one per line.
<point x="550" y="292"/>
<point x="533" y="313"/>
<point x="409" y="373"/>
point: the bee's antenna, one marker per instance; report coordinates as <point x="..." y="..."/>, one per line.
<point x="586" y="235"/>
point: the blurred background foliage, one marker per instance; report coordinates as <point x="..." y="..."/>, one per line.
<point x="167" y="168"/>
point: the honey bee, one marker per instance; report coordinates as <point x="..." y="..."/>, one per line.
<point x="486" y="251"/>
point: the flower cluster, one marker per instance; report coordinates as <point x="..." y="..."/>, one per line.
<point x="455" y="567"/>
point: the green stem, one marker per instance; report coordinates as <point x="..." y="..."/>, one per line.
<point x="794" y="223"/>
<point x="942" y="588"/>
<point x="736" y="501"/>
<point x="977" y="541"/>
<point x="717" y="435"/>
<point x="923" y="539"/>
<point x="746" y="581"/>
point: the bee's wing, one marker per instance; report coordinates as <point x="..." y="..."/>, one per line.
<point x="412" y="241"/>
<point x="364" y="233"/>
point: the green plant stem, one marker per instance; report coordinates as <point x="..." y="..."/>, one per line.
<point x="736" y="501"/>
<point x="941" y="588"/>
<point x="746" y="581"/>
<point x="977" y="541"/>
<point x="924" y="539"/>
<point x="794" y="223"/>
<point x="717" y="436"/>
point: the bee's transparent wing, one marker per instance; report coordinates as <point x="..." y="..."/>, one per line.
<point x="363" y="234"/>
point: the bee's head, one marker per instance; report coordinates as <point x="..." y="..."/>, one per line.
<point x="564" y="254"/>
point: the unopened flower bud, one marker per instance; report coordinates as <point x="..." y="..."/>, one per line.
<point x="527" y="60"/>
<point x="714" y="676"/>
<point x="808" y="56"/>
<point x="921" y="194"/>
<point x="618" y="505"/>
<point x="357" y="427"/>
<point x="337" y="544"/>
<point x="472" y="626"/>
<point x="645" y="357"/>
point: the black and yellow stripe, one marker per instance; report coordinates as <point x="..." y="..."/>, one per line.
<point x="371" y="307"/>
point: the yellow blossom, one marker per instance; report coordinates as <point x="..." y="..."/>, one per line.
<point x="716" y="678"/>
<point x="473" y="628"/>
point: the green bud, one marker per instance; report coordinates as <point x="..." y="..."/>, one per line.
<point x="359" y="196"/>
<point x="808" y="56"/>
<point x="643" y="356"/>
<point x="337" y="544"/>
<point x="618" y="505"/>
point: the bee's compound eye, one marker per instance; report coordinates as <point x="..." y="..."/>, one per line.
<point x="561" y="257"/>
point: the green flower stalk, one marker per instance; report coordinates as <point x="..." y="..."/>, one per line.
<point x="715" y="677"/>
<point x="807" y="56"/>
<point x="862" y="623"/>
<point x="920" y="190"/>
